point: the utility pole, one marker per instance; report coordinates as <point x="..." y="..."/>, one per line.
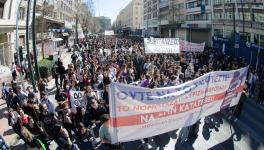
<point x="17" y="48"/>
<point x="76" y="30"/>
<point x="234" y="28"/>
<point x="37" y="75"/>
<point x="27" y="43"/>
<point x="42" y="29"/>
<point x="243" y="17"/>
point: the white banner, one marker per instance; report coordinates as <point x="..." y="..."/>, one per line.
<point x="186" y="46"/>
<point x="76" y="98"/>
<point x="109" y="32"/>
<point x="162" y="45"/>
<point x="138" y="113"/>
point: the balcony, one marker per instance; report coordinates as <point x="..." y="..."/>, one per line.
<point x="176" y="21"/>
<point x="164" y="22"/>
<point x="255" y="25"/>
<point x="163" y="3"/>
<point x="197" y="9"/>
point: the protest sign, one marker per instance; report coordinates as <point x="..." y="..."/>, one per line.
<point x="186" y="46"/>
<point x="162" y="45"/>
<point x="138" y="113"/>
<point x="76" y="98"/>
<point x="109" y="32"/>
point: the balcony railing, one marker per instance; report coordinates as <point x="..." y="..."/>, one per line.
<point x="257" y="25"/>
<point x="163" y="3"/>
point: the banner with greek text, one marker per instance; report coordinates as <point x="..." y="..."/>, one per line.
<point x="138" y="113"/>
<point x="186" y="46"/>
<point x="109" y="32"/>
<point x="162" y="45"/>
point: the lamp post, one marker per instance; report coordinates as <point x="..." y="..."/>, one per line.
<point x="34" y="40"/>
<point x="17" y="46"/>
<point x="27" y="45"/>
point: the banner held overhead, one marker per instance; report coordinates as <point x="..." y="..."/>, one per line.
<point x="162" y="45"/>
<point x="109" y="32"/>
<point x="186" y="46"/>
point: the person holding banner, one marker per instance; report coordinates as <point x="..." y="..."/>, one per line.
<point x="105" y="135"/>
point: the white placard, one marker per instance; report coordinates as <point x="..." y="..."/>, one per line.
<point x="162" y="45"/>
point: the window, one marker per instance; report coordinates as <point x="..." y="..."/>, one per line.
<point x="21" y="13"/>
<point x="2" y="6"/>
<point x="218" y="32"/>
<point x="155" y="14"/>
<point x="149" y="16"/>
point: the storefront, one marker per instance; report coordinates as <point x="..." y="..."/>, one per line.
<point x="198" y="33"/>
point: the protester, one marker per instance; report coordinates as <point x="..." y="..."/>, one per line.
<point x="84" y="137"/>
<point x="14" y="71"/>
<point x="105" y="134"/>
<point x="47" y="101"/>
<point x="3" y="145"/>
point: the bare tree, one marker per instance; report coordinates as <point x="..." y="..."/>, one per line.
<point x="45" y="10"/>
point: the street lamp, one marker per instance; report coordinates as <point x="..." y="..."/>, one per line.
<point x="27" y="45"/>
<point x="17" y="45"/>
<point x="34" y="40"/>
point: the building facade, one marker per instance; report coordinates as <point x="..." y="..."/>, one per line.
<point x="172" y="17"/>
<point x="55" y="18"/>
<point x="130" y="19"/>
<point x="151" y="17"/>
<point x="58" y="23"/>
<point x="198" y="21"/>
<point x="8" y="15"/>
<point x="238" y="28"/>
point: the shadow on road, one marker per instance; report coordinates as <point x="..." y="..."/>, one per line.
<point x="227" y="144"/>
<point x="3" y="112"/>
<point x="18" y="147"/>
<point x="211" y="123"/>
<point x="8" y="132"/>
<point x="162" y="140"/>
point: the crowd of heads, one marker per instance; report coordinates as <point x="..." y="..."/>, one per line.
<point x="96" y="63"/>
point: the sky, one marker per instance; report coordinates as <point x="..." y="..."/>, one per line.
<point x="109" y="8"/>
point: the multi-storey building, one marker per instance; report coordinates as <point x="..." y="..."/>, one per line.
<point x="58" y="14"/>
<point x="151" y="17"/>
<point x="8" y="15"/>
<point x="238" y="27"/>
<point x="198" y="21"/>
<point x="172" y="16"/>
<point x="130" y="19"/>
<point x="59" y="21"/>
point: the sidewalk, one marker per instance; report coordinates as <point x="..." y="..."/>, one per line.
<point x="5" y="129"/>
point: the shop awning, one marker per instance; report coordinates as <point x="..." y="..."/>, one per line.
<point x="65" y="34"/>
<point x="57" y="39"/>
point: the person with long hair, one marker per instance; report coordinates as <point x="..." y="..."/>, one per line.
<point x="84" y="137"/>
<point x="31" y="141"/>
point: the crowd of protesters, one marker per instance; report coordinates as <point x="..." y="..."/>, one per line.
<point x="96" y="63"/>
